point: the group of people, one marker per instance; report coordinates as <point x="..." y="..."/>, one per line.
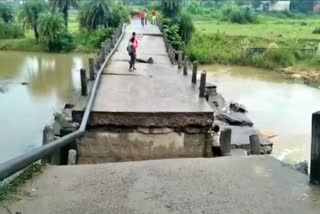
<point x="144" y="17"/>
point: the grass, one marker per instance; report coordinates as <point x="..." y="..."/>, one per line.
<point x="216" y="41"/>
<point x="8" y="189"/>
<point x="268" y="29"/>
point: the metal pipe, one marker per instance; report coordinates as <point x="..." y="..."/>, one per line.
<point x="20" y="162"/>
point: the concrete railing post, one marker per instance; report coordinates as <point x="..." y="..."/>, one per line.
<point x="83" y="76"/>
<point x="185" y="66"/>
<point x="254" y="144"/>
<point x="315" y="150"/>
<point x="91" y="69"/>
<point x="103" y="52"/>
<point x="194" y="72"/>
<point x="179" y="59"/>
<point x="225" y="141"/>
<point x="97" y="64"/>
<point x="203" y="80"/>
<point x="72" y="157"/>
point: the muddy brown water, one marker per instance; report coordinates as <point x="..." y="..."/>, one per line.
<point x="276" y="106"/>
<point x="33" y="86"/>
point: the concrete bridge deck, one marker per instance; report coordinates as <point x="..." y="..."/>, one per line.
<point x="231" y="185"/>
<point x="153" y="95"/>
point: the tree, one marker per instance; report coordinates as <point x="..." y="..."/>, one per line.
<point x="51" y="27"/>
<point x="171" y="8"/>
<point x="29" y="15"/>
<point x="6" y="12"/>
<point x="94" y="14"/>
<point x="64" y="6"/>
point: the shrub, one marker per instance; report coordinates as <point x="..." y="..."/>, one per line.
<point x="235" y="14"/>
<point x="119" y="13"/>
<point x="194" y="8"/>
<point x="274" y="58"/>
<point x="10" y="31"/>
<point x="92" y="40"/>
<point x="6" y="12"/>
<point x="186" y="27"/>
<point x="172" y="31"/>
<point x="316" y="30"/>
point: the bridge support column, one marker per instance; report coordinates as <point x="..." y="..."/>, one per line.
<point x="194" y="72"/>
<point x="185" y="66"/>
<point x="225" y="141"/>
<point x="202" y="88"/>
<point x="91" y="69"/>
<point x="254" y="144"/>
<point x="315" y="150"/>
<point x="179" y="59"/>
<point x="83" y="76"/>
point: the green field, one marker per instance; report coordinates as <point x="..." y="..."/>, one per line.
<point x="217" y="41"/>
<point x="267" y="29"/>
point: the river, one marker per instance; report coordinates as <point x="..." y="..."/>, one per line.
<point x="50" y="79"/>
<point x="275" y="105"/>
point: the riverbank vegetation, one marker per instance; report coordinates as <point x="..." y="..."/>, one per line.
<point x="60" y="25"/>
<point x="238" y="35"/>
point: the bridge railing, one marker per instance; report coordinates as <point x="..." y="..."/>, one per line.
<point x="20" y="162"/>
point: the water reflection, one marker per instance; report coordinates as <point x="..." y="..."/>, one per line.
<point x="26" y="109"/>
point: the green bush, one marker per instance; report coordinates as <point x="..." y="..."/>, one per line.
<point x="274" y="58"/>
<point x="6" y="12"/>
<point x="65" y="42"/>
<point x="119" y="13"/>
<point x="92" y="40"/>
<point x="186" y="27"/>
<point x="171" y="28"/>
<point x="316" y="30"/>
<point x="235" y="14"/>
<point x="10" y="31"/>
<point x="194" y="8"/>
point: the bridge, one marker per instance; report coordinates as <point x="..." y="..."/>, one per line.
<point x="155" y="112"/>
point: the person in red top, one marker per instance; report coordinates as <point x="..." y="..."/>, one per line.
<point x="132" y="49"/>
<point x="142" y="18"/>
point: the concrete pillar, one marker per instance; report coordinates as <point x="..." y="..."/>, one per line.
<point x="83" y="76"/>
<point x="179" y="59"/>
<point x="91" y="69"/>
<point x="202" y="88"/>
<point x="225" y="141"/>
<point x="194" y="72"/>
<point x="254" y="144"/>
<point x="97" y="64"/>
<point x="185" y="66"/>
<point x="315" y="150"/>
<point x="103" y="52"/>
<point x="72" y="157"/>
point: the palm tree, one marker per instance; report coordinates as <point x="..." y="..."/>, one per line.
<point x="64" y="6"/>
<point x="29" y="15"/>
<point x="95" y="13"/>
<point x="51" y="27"/>
<point x="6" y="12"/>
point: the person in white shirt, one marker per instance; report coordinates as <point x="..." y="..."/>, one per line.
<point x="215" y="137"/>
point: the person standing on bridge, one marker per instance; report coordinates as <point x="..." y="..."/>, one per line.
<point x="132" y="51"/>
<point x="142" y="18"/>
